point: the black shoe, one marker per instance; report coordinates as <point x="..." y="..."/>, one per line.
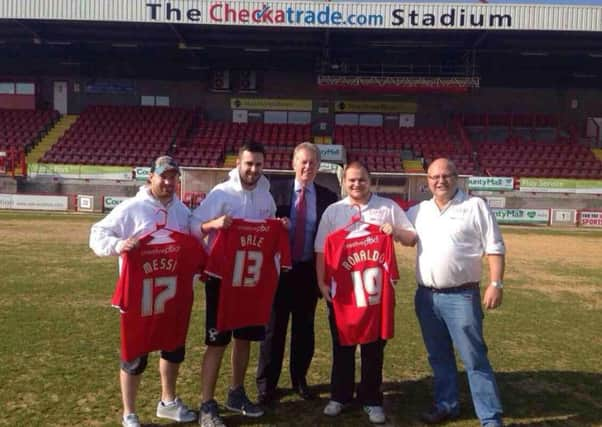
<point x="436" y="415"/>
<point x="266" y="398"/>
<point x="303" y="390"/>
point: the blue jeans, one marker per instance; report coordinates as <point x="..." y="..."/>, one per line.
<point x="451" y="320"/>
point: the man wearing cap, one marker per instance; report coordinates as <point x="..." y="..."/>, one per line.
<point x="155" y="205"/>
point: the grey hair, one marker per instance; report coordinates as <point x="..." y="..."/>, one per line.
<point x="309" y="146"/>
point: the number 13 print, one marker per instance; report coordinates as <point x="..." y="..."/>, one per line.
<point x="247" y="268"/>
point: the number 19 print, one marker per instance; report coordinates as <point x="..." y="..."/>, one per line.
<point x="361" y="271"/>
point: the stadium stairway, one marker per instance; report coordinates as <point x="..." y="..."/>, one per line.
<point x="230" y="161"/>
<point x="412" y="166"/>
<point x="598" y="153"/>
<point x="51" y="137"/>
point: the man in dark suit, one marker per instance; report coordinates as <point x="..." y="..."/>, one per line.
<point x="303" y="201"/>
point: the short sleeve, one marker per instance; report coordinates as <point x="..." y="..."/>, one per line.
<point x="491" y="237"/>
<point x="324" y="228"/>
<point x="400" y="218"/>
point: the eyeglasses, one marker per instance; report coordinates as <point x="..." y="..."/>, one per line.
<point x="445" y="177"/>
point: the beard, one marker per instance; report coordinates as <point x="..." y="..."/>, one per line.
<point x="249" y="180"/>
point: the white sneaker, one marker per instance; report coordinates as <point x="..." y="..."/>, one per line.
<point x="376" y="414"/>
<point x="176" y="411"/>
<point x="130" y="420"/>
<point x="333" y="408"/>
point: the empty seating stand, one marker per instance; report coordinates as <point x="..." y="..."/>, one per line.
<point x="539" y="159"/>
<point x="208" y="142"/>
<point x="20" y="130"/>
<point x="381" y="148"/>
<point x="119" y="135"/>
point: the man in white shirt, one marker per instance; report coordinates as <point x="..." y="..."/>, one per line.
<point x="454" y="232"/>
<point x="154" y="205"/>
<point x="245" y="195"/>
<point x="375" y="210"/>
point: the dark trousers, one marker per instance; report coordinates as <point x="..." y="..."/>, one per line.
<point x="296" y="297"/>
<point x="342" y="378"/>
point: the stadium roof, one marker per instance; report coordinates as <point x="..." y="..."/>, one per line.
<point x="551" y="16"/>
<point x="171" y="50"/>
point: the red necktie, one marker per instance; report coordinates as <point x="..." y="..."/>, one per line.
<point x="301" y="212"/>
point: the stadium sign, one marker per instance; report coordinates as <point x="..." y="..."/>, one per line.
<point x="566" y="217"/>
<point x="522" y="216"/>
<point x="109" y="202"/>
<point x="332" y="153"/>
<point x="272" y="104"/>
<point x="36" y="203"/>
<point x="141" y="173"/>
<point x="316" y="14"/>
<point x="559" y="185"/>
<point x="491" y="183"/>
<point x="346" y="106"/>
<point x="590" y="219"/>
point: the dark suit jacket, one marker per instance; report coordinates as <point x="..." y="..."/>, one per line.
<point x="282" y="191"/>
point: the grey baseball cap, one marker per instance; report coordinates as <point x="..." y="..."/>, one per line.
<point x="163" y="164"/>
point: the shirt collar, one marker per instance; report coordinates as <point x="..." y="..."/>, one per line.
<point x="459" y="197"/>
<point x="308" y="189"/>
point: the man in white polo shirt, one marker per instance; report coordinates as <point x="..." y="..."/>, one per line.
<point x="383" y="212"/>
<point x="454" y="232"/>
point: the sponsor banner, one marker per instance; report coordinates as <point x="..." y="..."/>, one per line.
<point x="108" y="86"/>
<point x="275" y="104"/>
<point x="588" y="186"/>
<point x="141" y="173"/>
<point x="491" y="183"/>
<point x="85" y="203"/>
<point x="496" y="202"/>
<point x="317" y="14"/>
<point x="79" y="171"/>
<point x="34" y="202"/>
<point x="590" y="219"/>
<point x="350" y="106"/>
<point x="109" y="202"/>
<point x="332" y="153"/>
<point x="563" y="217"/>
<point x="522" y="216"/>
<point x="560" y="185"/>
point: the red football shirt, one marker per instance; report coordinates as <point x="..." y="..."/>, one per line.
<point x="247" y="257"/>
<point x="361" y="271"/>
<point x="154" y="292"/>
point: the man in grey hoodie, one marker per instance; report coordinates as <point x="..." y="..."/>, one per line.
<point x="245" y="195"/>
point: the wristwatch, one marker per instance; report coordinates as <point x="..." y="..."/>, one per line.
<point x="497" y="284"/>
